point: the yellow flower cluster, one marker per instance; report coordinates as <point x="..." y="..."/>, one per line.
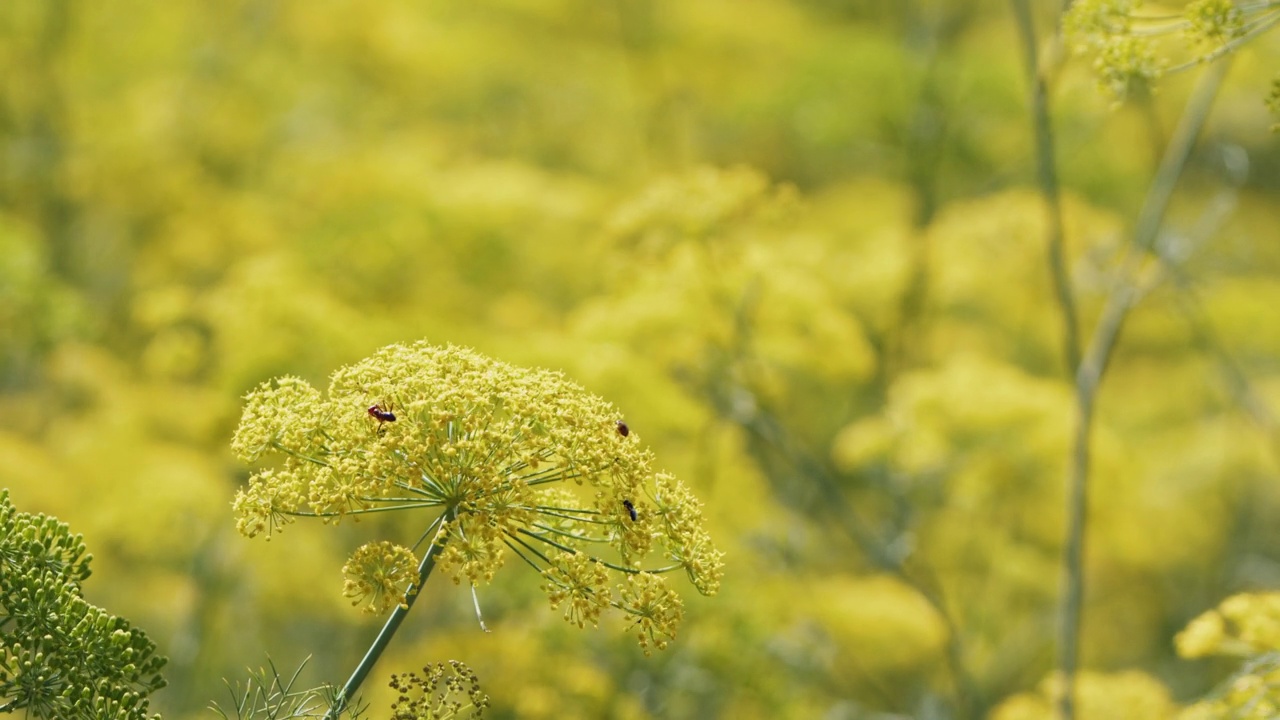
<point x="380" y="572"/>
<point x="1132" y="48"/>
<point x="269" y="504"/>
<point x="657" y="609"/>
<point x="1089" y="21"/>
<point x="1242" y="625"/>
<point x="1214" y="21"/>
<point x="681" y="514"/>
<point x="284" y="413"/>
<point x="580" y="582"/>
<point x="502" y="459"/>
<point x="1126" y="65"/>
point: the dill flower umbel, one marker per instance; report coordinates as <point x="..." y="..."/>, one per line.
<point x="381" y="573"/>
<point x="1216" y="22"/>
<point x="1134" y="47"/>
<point x="502" y="462"/>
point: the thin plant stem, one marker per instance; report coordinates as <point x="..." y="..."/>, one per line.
<point x="1047" y="176"/>
<point x="1094" y="364"/>
<point x="393" y="623"/>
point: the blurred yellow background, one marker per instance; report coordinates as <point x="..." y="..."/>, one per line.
<point x="799" y="243"/>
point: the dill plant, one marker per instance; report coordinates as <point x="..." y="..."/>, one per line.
<point x="501" y="462"/>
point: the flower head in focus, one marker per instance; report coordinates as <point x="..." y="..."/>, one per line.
<point x="501" y="461"/>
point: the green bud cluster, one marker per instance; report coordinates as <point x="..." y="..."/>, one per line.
<point x="61" y="657"/>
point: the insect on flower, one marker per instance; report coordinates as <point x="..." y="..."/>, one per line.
<point x="623" y="430"/>
<point x="630" y="509"/>
<point x="377" y="412"/>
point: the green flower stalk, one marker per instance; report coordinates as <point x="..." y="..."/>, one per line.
<point x="502" y="462"/>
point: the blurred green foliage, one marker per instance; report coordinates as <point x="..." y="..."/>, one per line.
<point x="800" y="243"/>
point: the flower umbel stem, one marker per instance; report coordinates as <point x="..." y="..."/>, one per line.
<point x="393" y="623"/>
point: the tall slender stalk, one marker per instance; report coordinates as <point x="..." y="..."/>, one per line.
<point x="1047" y="176"/>
<point x="1094" y="365"/>
<point x="393" y="623"/>
<point x="1089" y="370"/>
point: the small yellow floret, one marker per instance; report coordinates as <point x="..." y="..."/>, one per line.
<point x="380" y="573"/>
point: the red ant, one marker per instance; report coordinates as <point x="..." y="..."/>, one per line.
<point x="377" y="412"/>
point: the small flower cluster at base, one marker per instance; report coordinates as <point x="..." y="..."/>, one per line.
<point x="381" y="573"/>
